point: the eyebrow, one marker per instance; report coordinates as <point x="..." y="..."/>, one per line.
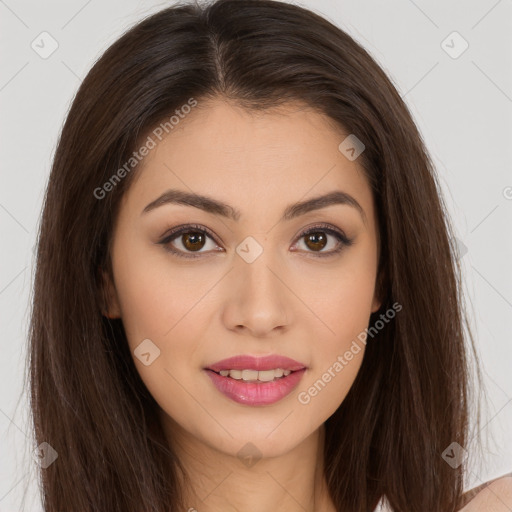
<point x="210" y="205"/>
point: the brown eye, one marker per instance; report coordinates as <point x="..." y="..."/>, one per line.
<point x="316" y="240"/>
<point x="193" y="241"/>
<point x="187" y="240"/>
<point x="323" y="240"/>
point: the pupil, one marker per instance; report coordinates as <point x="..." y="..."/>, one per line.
<point x="191" y="239"/>
<point x="318" y="240"/>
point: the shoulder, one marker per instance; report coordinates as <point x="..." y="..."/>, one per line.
<point x="492" y="496"/>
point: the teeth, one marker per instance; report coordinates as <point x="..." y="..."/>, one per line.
<point x="267" y="375"/>
<point x="249" y="375"/>
<point x="254" y="375"/>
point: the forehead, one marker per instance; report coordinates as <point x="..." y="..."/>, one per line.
<point x="251" y="159"/>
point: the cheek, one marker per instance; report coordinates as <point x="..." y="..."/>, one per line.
<point x="157" y="297"/>
<point x="161" y="304"/>
<point x="167" y="304"/>
<point x="341" y="298"/>
<point x="342" y="302"/>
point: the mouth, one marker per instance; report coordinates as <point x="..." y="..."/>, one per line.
<point x="248" y="367"/>
<point x="256" y="381"/>
<point x="256" y="376"/>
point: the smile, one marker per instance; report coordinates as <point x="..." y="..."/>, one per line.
<point x="250" y="380"/>
<point x="255" y="375"/>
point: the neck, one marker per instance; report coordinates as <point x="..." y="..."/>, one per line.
<point x="219" y="481"/>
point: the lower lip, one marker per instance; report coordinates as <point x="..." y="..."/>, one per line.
<point x="254" y="393"/>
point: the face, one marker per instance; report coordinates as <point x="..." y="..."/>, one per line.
<point x="253" y="276"/>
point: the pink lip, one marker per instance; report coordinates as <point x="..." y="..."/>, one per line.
<point x="256" y="393"/>
<point x="245" y="362"/>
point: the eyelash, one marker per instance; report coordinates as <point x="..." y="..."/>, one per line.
<point x="196" y="228"/>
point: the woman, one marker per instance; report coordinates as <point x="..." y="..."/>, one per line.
<point x="246" y="297"/>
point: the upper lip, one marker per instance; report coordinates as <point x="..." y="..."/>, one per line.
<point x="246" y="362"/>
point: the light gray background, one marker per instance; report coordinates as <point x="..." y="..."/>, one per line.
<point x="463" y="107"/>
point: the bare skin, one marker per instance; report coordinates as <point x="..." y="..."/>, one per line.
<point x="493" y="496"/>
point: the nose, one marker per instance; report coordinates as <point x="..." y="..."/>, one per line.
<point x="257" y="299"/>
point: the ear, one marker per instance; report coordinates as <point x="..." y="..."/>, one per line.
<point x="376" y="303"/>
<point x="379" y="291"/>
<point x="110" y="303"/>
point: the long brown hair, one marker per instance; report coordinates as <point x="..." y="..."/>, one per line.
<point x="411" y="397"/>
